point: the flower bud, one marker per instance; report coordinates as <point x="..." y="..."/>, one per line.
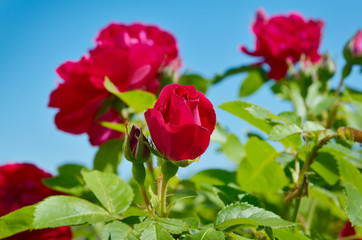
<point x="353" y="49"/>
<point x="327" y="67"/>
<point x="136" y="149"/>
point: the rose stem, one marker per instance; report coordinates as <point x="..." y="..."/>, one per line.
<point x="168" y="170"/>
<point x="151" y="170"/>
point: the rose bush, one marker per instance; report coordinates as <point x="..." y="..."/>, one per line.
<point x="21" y="185"/>
<point x="131" y="56"/>
<point x="281" y="38"/>
<point x="181" y="122"/>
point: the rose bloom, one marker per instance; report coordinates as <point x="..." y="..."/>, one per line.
<point x="348" y="230"/>
<point x="131" y="56"/>
<point x="280" y="39"/>
<point x="181" y="122"/>
<point x="21" y="185"/>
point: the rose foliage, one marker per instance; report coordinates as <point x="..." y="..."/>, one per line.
<point x="297" y="173"/>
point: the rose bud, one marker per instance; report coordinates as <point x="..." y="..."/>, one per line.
<point x="181" y="122"/>
<point x="21" y="185"/>
<point x="353" y="49"/>
<point x="283" y="38"/>
<point x="136" y="149"/>
<point x="347" y="231"/>
<point x="327" y="67"/>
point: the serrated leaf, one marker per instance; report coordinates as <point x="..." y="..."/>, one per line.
<point x="200" y="83"/>
<point x="260" y="172"/>
<point x="288" y="234"/>
<point x="17" y="221"/>
<point x="114" y="193"/>
<point x="118" y="231"/>
<point x="253" y="114"/>
<point x="349" y="173"/>
<point x="254" y="80"/>
<point x="59" y="211"/>
<point x="245" y="214"/>
<point x="233" y="236"/>
<point x="136" y="99"/>
<point x="109" y="156"/>
<point x="280" y="131"/>
<point x="257" y="116"/>
<point x="312" y="126"/>
<point x="174" y="226"/>
<point x="207" y="234"/>
<point x="354" y="204"/>
<point x="155" y="232"/>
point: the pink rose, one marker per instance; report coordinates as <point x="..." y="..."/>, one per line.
<point x="21" y="185"/>
<point x="285" y="38"/>
<point x="131" y="56"/>
<point x="181" y="122"/>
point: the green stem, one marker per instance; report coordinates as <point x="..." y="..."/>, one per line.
<point x="145" y="197"/>
<point x="163" y="199"/>
<point x="152" y="172"/>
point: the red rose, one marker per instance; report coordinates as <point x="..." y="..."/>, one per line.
<point x="281" y="38"/>
<point x="21" y="185"/>
<point x="348" y="230"/>
<point x="132" y="56"/>
<point x="181" y="122"/>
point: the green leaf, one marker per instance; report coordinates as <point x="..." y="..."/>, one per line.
<point x="253" y="114"/>
<point x="233" y="149"/>
<point x="68" y="181"/>
<point x="174" y="226"/>
<point x="289" y="234"/>
<point x="118" y="231"/>
<point x="281" y="131"/>
<point x="200" y="83"/>
<point x="213" y="177"/>
<point x="312" y="126"/>
<point x="291" y="117"/>
<point x="109" y="156"/>
<point x="260" y="172"/>
<point x="354" y="204"/>
<point x="155" y="232"/>
<point x="17" y="221"/>
<point x="208" y="234"/>
<point x="325" y="164"/>
<point x="136" y="99"/>
<point x="323" y="103"/>
<point x="114" y="193"/>
<point x="233" y="236"/>
<point x="255" y="79"/>
<point x="349" y="173"/>
<point x="297" y="99"/>
<point x="245" y="214"/>
<point x="59" y="211"/>
<point x="120" y="127"/>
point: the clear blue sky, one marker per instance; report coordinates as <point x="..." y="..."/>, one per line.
<point x="37" y="36"/>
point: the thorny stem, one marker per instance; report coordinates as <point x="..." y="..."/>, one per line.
<point x="145" y="197"/>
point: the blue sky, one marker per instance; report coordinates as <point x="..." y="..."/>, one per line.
<point x="37" y="36"/>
